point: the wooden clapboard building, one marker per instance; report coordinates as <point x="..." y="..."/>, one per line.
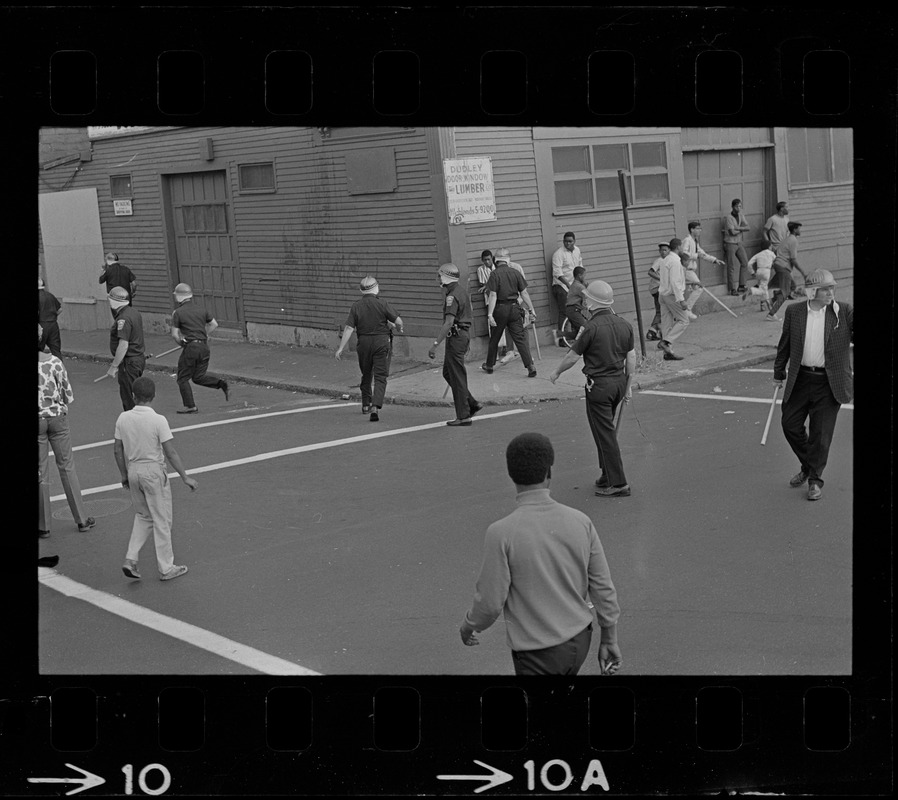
<point x="275" y="226"/>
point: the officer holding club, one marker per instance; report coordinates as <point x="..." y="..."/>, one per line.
<point x="606" y="344"/>
<point x="126" y="344"/>
<point x="457" y="321"/>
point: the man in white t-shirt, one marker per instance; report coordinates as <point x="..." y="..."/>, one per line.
<point x="143" y="440"/>
<point x="564" y="260"/>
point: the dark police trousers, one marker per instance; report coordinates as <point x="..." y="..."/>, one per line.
<point x="192" y="365"/>
<point x="373" y="351"/>
<point x="561" y="659"/>
<point x="811" y="398"/>
<point x="455" y="374"/>
<point x="601" y="403"/>
<point x="511" y="316"/>
<point x="129" y="371"/>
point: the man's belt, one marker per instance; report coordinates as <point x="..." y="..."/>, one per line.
<point x="818" y="370"/>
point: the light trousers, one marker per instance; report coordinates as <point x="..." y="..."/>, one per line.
<point x="151" y="496"/>
<point x="673" y="318"/>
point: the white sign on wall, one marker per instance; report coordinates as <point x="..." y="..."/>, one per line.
<point x="122" y="208"/>
<point x="470" y="193"/>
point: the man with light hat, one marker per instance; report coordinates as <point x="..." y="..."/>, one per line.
<point x="371" y="318"/>
<point x="126" y="344"/>
<point x="457" y="319"/>
<point x="191" y="324"/>
<point x="606" y="343"/>
<point x="815" y="344"/>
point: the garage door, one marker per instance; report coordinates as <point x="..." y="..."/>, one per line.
<point x="713" y="180"/>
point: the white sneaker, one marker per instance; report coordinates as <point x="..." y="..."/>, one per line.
<point x="174" y="572"/>
<point x="691" y="315"/>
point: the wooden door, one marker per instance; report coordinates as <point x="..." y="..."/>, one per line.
<point x="205" y="245"/>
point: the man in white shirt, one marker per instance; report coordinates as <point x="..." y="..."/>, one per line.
<point x="694" y="250"/>
<point x="760" y="265"/>
<point x="564" y="260"/>
<point x="671" y="293"/>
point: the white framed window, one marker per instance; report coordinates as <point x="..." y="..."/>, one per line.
<point x="585" y="175"/>
<point x="258" y="178"/>
<point x="819" y="155"/>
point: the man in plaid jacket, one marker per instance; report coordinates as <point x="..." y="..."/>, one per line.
<point x="815" y="343"/>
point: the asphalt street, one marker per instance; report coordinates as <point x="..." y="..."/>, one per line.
<point x="322" y="540"/>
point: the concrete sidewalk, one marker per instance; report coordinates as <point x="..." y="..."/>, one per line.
<point x="713" y="343"/>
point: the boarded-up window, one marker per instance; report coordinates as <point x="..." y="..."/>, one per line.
<point x="120" y="185"/>
<point x="210" y="218"/>
<point x="819" y="155"/>
<point x="371" y="171"/>
<point x="256" y="177"/>
<point x="644" y="165"/>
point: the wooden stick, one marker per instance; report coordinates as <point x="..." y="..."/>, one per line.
<point x="167" y="352"/>
<point x="536" y="341"/>
<point x="724" y="305"/>
<point x="770" y="414"/>
<point x="104" y="375"/>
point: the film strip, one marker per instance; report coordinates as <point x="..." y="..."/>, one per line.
<point x="192" y="734"/>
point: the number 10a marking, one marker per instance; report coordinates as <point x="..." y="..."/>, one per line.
<point x="594" y="776"/>
<point x="142" y="779"/>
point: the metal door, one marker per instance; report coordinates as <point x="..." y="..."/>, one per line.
<point x="713" y="180"/>
<point x="204" y="244"/>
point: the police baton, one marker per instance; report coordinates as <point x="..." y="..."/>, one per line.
<point x="166" y="352"/>
<point x="770" y="414"/>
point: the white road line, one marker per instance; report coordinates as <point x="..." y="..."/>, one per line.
<point x="736" y="399"/>
<point x="749" y="369"/>
<point x="230" y="422"/>
<point x="306" y="448"/>
<point x="191" y="634"/>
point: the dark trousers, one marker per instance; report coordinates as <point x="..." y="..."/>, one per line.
<point x="780" y="282"/>
<point x="811" y="399"/>
<point x="561" y="659"/>
<point x="577" y="319"/>
<point x="192" y="365"/>
<point x="560" y="296"/>
<point x="601" y="403"/>
<point x="737" y="265"/>
<point x="510" y="316"/>
<point x="50" y="338"/>
<point x="456" y="375"/>
<point x="656" y="320"/>
<point x="129" y="371"/>
<point x="374" y="361"/>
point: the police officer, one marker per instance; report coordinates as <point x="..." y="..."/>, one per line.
<point x="456" y="331"/>
<point x="191" y="325"/>
<point x="371" y="318"/>
<point x="116" y="274"/>
<point x="504" y="286"/>
<point x="125" y="344"/>
<point x="609" y="362"/>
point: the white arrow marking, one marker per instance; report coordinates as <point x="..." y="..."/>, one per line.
<point x="89" y="780"/>
<point x="496" y="779"/>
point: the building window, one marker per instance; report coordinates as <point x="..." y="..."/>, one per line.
<point x="256" y="177"/>
<point x="819" y="155"/>
<point x="120" y="185"/>
<point x="586" y="175"/>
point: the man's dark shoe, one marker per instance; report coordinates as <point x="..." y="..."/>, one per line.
<point x="87" y="524"/>
<point x="664" y="345"/>
<point x="614" y="491"/>
<point x="734" y="292"/>
<point x="226" y="389"/>
<point x="531" y="373"/>
<point x="42" y="534"/>
<point x="475" y="408"/>
<point x="374" y="417"/>
<point x="486" y="369"/>
<point x="48" y="561"/>
<point x="602" y="483"/>
<point x="798" y="479"/>
<point x="670" y="355"/>
<point x="191" y="410"/>
<point x="815" y="491"/>
<point x="454" y="423"/>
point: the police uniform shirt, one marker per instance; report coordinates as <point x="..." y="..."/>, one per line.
<point x="128" y="325"/>
<point x="369" y="315"/>
<point x="118" y="275"/>
<point x="191" y="318"/>
<point x="604" y="342"/>
<point x="506" y="283"/>
<point x="458" y="304"/>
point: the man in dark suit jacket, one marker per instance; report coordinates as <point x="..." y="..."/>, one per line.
<point x="815" y="343"/>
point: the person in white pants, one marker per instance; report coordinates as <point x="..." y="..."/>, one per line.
<point x="693" y="249"/>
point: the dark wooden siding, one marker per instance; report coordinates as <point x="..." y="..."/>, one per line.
<point x="517" y="223"/>
<point x="827" y="231"/>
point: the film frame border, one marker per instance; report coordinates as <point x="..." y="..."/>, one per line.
<point x="250" y="766"/>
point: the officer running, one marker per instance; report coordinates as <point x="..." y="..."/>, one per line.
<point x="371" y="318"/>
<point x="126" y="344"/>
<point x="609" y="362"/>
<point x="457" y="320"/>
<point x="191" y="325"/>
<point x="504" y="287"/>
